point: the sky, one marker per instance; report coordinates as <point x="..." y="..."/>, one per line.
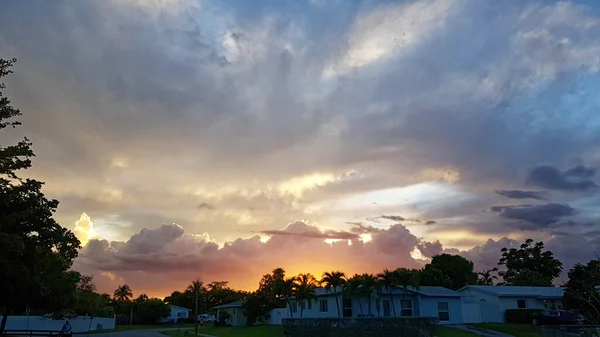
<point x="218" y="140"/>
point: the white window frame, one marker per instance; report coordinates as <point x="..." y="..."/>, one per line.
<point x="446" y="311"/>
<point x="406" y="308"/>
<point x="294" y="306"/>
<point x="323" y="306"/>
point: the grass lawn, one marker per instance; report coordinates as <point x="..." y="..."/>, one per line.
<point x="444" y="331"/>
<point x="146" y="327"/>
<point x="521" y="330"/>
<point x="277" y="331"/>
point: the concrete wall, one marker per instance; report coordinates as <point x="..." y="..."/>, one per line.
<point x="78" y="324"/>
<point x="175" y="314"/>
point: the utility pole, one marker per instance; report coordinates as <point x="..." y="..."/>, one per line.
<point x="196" y="309"/>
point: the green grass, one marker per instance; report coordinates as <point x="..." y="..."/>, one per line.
<point x="146" y="327"/>
<point x="277" y="331"/>
<point x="444" y="331"/>
<point x="521" y="330"/>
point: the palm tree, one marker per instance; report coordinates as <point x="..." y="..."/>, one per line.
<point x="335" y="280"/>
<point x="195" y="288"/>
<point x="141" y="298"/>
<point x="197" y="284"/>
<point x="123" y="293"/>
<point x="287" y="289"/>
<point x="389" y="280"/>
<point x="354" y="288"/>
<point x="368" y="284"/>
<point x="486" y="277"/>
<point x="305" y="289"/>
<point x="406" y="278"/>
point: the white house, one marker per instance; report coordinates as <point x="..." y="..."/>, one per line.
<point x="488" y="303"/>
<point x="234" y="311"/>
<point x="176" y="314"/>
<point x="424" y="301"/>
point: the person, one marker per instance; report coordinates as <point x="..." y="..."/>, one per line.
<point x="66" y="329"/>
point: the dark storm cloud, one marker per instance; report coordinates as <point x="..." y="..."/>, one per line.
<point x="539" y="216"/>
<point x="572" y="180"/>
<point x="518" y="194"/>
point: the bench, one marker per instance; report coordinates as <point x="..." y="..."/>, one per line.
<point x="32" y="333"/>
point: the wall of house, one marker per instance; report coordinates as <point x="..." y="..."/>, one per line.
<point x="237" y="317"/>
<point x="174" y="315"/>
<point x="78" y="324"/>
<point x="488" y="305"/>
<point x="429" y="308"/>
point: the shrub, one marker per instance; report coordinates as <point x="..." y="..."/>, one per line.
<point x="520" y="316"/>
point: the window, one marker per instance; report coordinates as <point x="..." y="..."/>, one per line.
<point x="294" y="306"/>
<point x="347" y="307"/>
<point x="309" y="304"/>
<point x="386" y="308"/>
<point x="302" y="305"/>
<point x="407" y="309"/>
<point x="521" y="304"/>
<point x="443" y="312"/>
<point x="323" y="306"/>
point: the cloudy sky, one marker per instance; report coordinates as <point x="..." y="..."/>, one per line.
<point x="221" y="139"/>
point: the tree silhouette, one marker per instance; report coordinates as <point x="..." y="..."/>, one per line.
<point x="334" y="280"/>
<point x="529" y="265"/>
<point x="389" y="280"/>
<point x="36" y="253"/>
<point x="123" y="293"/>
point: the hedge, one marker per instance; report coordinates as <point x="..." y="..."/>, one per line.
<point x="520" y="316"/>
<point x="360" y="327"/>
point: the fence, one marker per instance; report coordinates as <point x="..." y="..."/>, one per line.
<point x="571" y="331"/>
<point x="78" y="324"/>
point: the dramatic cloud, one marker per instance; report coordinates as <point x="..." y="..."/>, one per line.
<point x="167" y="251"/>
<point x="575" y="179"/>
<point x="517" y="194"/>
<point x="234" y="119"/>
<point x="537" y="215"/>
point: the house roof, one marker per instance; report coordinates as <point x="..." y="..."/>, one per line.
<point x="236" y="304"/>
<point x="178" y="307"/>
<point x="422" y="290"/>
<point x="519" y="291"/>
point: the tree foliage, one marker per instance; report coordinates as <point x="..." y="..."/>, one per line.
<point x="581" y="293"/>
<point x="530" y="265"/>
<point x="334" y="281"/>
<point x="36" y="253"/>
<point x="450" y="271"/>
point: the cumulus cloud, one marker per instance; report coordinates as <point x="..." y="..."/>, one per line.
<point x="572" y="180"/>
<point x="169" y="251"/>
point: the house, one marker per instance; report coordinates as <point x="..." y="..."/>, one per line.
<point x="234" y="309"/>
<point x="424" y="301"/>
<point x="487" y="303"/>
<point x="177" y="313"/>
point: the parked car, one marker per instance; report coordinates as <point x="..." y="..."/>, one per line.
<point x="557" y="317"/>
<point x="206" y="318"/>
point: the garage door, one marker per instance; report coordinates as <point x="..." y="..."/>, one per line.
<point x="471" y="313"/>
